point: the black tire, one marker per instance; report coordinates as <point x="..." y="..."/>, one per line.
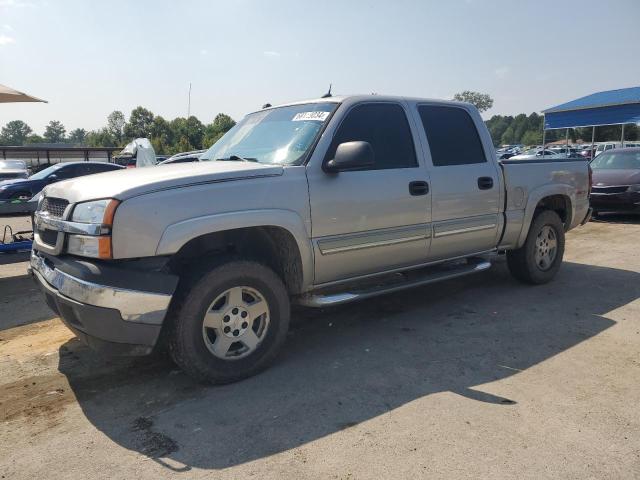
<point x="522" y="263"/>
<point x="196" y="293"/>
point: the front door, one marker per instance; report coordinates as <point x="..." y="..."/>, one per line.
<point x="367" y="221"/>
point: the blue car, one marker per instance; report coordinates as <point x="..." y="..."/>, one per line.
<point x="25" y="188"/>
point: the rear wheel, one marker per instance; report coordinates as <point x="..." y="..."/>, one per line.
<point x="539" y="259"/>
<point x="230" y="322"/>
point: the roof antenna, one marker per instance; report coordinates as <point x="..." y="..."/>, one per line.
<point x="266" y="105"/>
<point x="328" y="94"/>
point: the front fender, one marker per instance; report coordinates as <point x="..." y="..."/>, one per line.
<point x="175" y="236"/>
<point x="537" y="194"/>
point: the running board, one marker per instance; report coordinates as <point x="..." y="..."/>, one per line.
<point x="401" y="281"/>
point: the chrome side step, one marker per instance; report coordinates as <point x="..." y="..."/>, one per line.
<point x="410" y="279"/>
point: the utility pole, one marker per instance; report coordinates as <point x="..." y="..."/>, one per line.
<point x="189" y="103"/>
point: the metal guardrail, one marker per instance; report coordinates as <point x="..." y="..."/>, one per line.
<point x="48" y="155"/>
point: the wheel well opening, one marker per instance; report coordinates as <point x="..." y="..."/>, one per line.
<point x="560" y="204"/>
<point x="273" y="246"/>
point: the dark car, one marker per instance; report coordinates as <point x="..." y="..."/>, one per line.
<point x="24" y="189"/>
<point x="616" y="181"/>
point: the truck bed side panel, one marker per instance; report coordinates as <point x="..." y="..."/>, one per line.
<point x="527" y="183"/>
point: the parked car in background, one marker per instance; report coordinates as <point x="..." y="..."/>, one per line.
<point x="588" y="152"/>
<point x="125" y="161"/>
<point x="316" y="203"/>
<point x="137" y="153"/>
<point x="25" y="188"/>
<point x="567" y="152"/>
<point x="12" y="169"/>
<point x="616" y="181"/>
<point x="185" y="157"/>
<point x="603" y="147"/>
<point x="535" y="154"/>
<point x="505" y="153"/>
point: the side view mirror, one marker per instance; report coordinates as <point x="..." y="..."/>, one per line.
<point x="351" y="156"/>
<point x="52" y="178"/>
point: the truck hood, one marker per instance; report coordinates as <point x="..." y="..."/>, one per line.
<point x="127" y="183"/>
<point x="614" y="177"/>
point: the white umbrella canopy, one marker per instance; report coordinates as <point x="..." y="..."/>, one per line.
<point x="9" y="95"/>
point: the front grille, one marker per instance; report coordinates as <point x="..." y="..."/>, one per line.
<point x="617" y="189"/>
<point x="54" y="206"/>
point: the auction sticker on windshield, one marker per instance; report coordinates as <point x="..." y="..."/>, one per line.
<point x="305" y="116"/>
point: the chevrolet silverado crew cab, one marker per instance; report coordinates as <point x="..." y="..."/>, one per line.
<point x="318" y="203"/>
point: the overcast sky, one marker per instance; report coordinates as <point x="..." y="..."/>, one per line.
<point x="88" y="58"/>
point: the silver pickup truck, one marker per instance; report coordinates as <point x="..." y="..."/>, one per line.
<point x="319" y="202"/>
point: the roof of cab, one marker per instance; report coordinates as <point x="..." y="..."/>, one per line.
<point x="360" y="97"/>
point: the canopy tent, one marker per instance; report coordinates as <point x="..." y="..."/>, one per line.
<point x="9" y="95"/>
<point x="612" y="107"/>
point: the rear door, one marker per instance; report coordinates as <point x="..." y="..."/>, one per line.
<point x="465" y="183"/>
<point x="374" y="219"/>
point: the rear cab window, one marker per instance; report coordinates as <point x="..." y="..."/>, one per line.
<point x="452" y="136"/>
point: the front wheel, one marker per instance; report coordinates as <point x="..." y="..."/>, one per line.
<point x="539" y="259"/>
<point x="230" y="322"/>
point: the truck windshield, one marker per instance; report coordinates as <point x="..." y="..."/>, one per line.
<point x="280" y="135"/>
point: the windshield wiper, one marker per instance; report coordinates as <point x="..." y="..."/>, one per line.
<point x="236" y="158"/>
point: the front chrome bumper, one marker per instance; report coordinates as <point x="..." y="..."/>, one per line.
<point x="133" y="305"/>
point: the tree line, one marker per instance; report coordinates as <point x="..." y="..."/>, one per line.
<point x="527" y="130"/>
<point x="167" y="136"/>
<point x="184" y="134"/>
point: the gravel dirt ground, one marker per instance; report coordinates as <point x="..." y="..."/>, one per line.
<point x="480" y="377"/>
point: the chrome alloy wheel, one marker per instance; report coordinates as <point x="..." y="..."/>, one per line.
<point x="235" y="323"/>
<point x="546" y="248"/>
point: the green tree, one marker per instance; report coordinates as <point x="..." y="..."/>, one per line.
<point x="220" y="125"/>
<point x="14" y="133"/>
<point x="139" y="125"/>
<point x="531" y="137"/>
<point x="100" y="138"/>
<point x="191" y="130"/>
<point x="33" y="138"/>
<point x="77" y="136"/>
<point x="183" y="145"/>
<point x="161" y="135"/>
<point x="508" y="137"/>
<point x="497" y="125"/>
<point x="482" y="101"/>
<point x="55" y="132"/>
<point x="115" y="125"/>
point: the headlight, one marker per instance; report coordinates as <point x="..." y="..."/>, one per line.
<point x="98" y="211"/>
